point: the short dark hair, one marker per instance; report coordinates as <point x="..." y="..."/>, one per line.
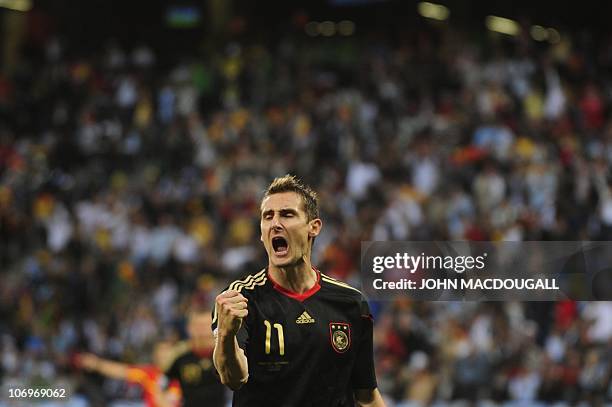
<point x="197" y="310"/>
<point x="290" y="183"/>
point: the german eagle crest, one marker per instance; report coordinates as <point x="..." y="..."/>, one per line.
<point x="340" y="336"/>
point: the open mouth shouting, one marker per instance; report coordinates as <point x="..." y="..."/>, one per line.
<point x="280" y="246"/>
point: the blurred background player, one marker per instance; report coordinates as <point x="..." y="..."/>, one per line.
<point x="157" y="390"/>
<point x="193" y="366"/>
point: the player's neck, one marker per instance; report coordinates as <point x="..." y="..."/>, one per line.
<point x="202" y="348"/>
<point x="297" y="278"/>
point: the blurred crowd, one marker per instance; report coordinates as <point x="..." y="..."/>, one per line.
<point x="129" y="192"/>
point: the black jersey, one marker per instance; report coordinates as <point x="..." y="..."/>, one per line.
<point x="199" y="381"/>
<point x="304" y="350"/>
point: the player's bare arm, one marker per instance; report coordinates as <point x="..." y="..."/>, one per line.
<point x="369" y="398"/>
<point x="106" y="367"/>
<point x="229" y="359"/>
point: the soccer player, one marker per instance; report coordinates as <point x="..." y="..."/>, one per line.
<point x="156" y="391"/>
<point x="289" y="335"/>
<point x="193" y="367"/>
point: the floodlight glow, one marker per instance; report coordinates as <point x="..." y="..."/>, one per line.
<point x="539" y="33"/>
<point x="312" y="29"/>
<point x="553" y="36"/>
<point x="327" y="28"/>
<point x="16" y="5"/>
<point x="346" y="28"/>
<point x="502" y="25"/>
<point x="433" y="11"/>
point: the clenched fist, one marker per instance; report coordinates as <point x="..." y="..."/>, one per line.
<point x="231" y="309"/>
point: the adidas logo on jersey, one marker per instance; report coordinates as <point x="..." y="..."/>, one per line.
<point x="305" y="318"/>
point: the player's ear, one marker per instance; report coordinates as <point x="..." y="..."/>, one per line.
<point x="314" y="227"/>
<point x="261" y="233"/>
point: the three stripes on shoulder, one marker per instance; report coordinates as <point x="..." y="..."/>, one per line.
<point x="250" y="282"/>
<point x="339" y="283"/>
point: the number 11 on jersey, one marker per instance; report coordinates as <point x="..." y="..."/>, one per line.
<point x="281" y="337"/>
